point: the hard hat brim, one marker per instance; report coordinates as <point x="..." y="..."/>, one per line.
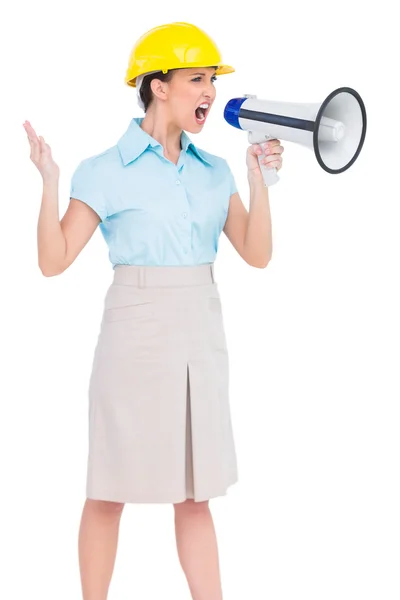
<point x="221" y="70"/>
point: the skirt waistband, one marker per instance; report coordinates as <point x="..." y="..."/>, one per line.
<point x="163" y="276"/>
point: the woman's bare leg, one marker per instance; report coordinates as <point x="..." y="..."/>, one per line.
<point x="197" y="549"/>
<point x="98" y="540"/>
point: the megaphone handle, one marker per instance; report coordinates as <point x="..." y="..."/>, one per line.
<point x="270" y="176"/>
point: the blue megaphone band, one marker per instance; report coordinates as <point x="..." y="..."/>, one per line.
<point x="232" y="110"/>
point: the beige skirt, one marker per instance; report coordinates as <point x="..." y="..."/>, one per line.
<point x="160" y="427"/>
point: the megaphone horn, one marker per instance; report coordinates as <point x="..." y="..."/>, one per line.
<point x="335" y="128"/>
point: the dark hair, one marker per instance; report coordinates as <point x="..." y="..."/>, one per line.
<point x="146" y="93"/>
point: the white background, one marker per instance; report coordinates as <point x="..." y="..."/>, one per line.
<point x="314" y="338"/>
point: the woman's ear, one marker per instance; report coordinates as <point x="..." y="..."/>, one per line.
<point x="159" y="88"/>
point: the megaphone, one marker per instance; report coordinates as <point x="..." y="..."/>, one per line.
<point x="335" y="128"/>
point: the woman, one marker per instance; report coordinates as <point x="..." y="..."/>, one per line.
<point x="160" y="427"/>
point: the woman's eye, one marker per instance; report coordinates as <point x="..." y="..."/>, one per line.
<point x="213" y="78"/>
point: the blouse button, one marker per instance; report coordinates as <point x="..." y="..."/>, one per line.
<point x="177" y="182"/>
<point x="184" y="215"/>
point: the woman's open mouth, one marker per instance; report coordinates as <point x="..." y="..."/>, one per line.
<point x="201" y="113"/>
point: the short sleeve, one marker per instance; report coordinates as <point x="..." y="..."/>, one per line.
<point x="86" y="186"/>
<point x="231" y="181"/>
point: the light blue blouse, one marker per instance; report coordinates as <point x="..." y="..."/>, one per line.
<point x="152" y="211"/>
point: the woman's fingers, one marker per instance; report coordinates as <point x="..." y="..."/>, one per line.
<point x="35" y="143"/>
<point x="32" y="137"/>
<point x="30" y="131"/>
<point x="273" y="162"/>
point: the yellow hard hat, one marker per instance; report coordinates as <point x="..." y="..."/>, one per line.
<point x="173" y="46"/>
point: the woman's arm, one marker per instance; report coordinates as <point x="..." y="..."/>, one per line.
<point x="60" y="242"/>
<point x="250" y="232"/>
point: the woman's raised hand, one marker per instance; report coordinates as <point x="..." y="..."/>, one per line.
<point x="41" y="155"/>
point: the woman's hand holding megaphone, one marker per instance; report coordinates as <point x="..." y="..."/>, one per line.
<point x="272" y="158"/>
